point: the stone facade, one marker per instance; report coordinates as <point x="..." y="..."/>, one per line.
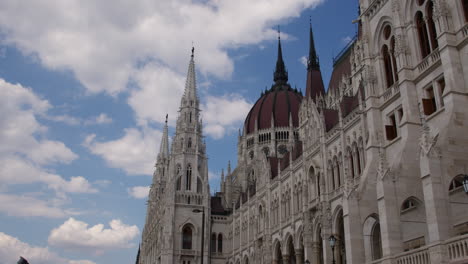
<point x="375" y="161"/>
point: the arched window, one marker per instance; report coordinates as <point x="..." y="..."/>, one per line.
<point x="188" y="178"/>
<point x="199" y="185"/>
<point x="178" y="183"/>
<point x="456" y="182"/>
<point x="313" y="183"/>
<point x="465" y="9"/>
<point x="189" y="144"/>
<point x="187" y="237"/>
<point x="431" y="25"/>
<point x="213" y="242"/>
<point x="408" y="204"/>
<point x="351" y="162"/>
<point x="358" y="159"/>
<point x="376" y="242"/>
<point x="388" y="55"/>
<point x="332" y="176"/>
<point x="387" y="65"/>
<point x="318" y="185"/>
<point x="190" y="117"/>
<point x="220" y="243"/>
<point x="338" y="171"/>
<point x="422" y="34"/>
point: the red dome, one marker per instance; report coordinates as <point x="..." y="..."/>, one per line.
<point x="279" y="103"/>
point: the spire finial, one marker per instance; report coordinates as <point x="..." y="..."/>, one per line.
<point x="313" y="61"/>
<point x="281" y="75"/>
<point x="193" y="50"/>
<point x="167" y="115"/>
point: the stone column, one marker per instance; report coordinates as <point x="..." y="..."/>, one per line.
<point x="388" y="216"/>
<point x="299" y="256"/>
<point x="285" y="259"/>
<point x="353" y="231"/>
<point x="435" y="201"/>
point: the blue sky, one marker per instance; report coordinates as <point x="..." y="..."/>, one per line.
<point x="85" y="87"/>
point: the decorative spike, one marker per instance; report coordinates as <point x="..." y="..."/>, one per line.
<point x="313" y="61"/>
<point x="281" y="75"/>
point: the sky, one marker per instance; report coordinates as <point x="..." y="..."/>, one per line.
<point x="84" y="90"/>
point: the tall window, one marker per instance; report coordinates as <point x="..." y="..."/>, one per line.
<point x="376" y="242"/>
<point x="213" y="242"/>
<point x="388" y="49"/>
<point x="189" y="144"/>
<point x="220" y="243"/>
<point x="178" y="184"/>
<point x="187" y="238"/>
<point x="188" y="180"/>
<point x="351" y="162"/>
<point x="422" y="34"/>
<point x="426" y="28"/>
<point x="465" y="9"/>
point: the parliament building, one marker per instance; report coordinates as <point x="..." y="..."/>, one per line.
<point x="367" y="170"/>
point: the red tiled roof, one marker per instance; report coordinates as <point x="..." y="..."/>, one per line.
<point x="278" y="104"/>
<point x="314" y="84"/>
<point x="348" y="104"/>
<point x="331" y="118"/>
<point x="341" y="68"/>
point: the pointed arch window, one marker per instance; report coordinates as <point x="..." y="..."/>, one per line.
<point x="389" y="60"/>
<point x="376" y="242"/>
<point x="178" y="184"/>
<point x="431" y="25"/>
<point x="220" y="243"/>
<point x="465" y="9"/>
<point x="189" y="144"/>
<point x="187" y="237"/>
<point x="190" y="117"/>
<point x="213" y="242"/>
<point x="351" y="162"/>
<point x="188" y="179"/>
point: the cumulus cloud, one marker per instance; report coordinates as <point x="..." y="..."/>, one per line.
<point x="26" y="206"/>
<point x="101" y="119"/>
<point x="124" y="42"/>
<point x="139" y="192"/>
<point x="135" y="152"/>
<point x="11" y="248"/>
<point x="224" y="113"/>
<point x="303" y="60"/>
<point x="76" y="235"/>
<point x="24" y="148"/>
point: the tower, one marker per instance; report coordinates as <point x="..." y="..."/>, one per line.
<point x="173" y="229"/>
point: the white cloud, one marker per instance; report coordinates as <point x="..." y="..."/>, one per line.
<point x="224" y="113"/>
<point x="159" y="93"/>
<point x="16" y="170"/>
<point x="303" y="60"/>
<point x="101" y="119"/>
<point x="135" y="152"/>
<point x="75" y="235"/>
<point x="24" y="148"/>
<point x="139" y="192"/>
<point x="11" y="248"/>
<point x="26" y="206"/>
<point x="346" y="39"/>
<point x="124" y="45"/>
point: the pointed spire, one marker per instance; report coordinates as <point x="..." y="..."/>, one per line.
<point x="164" y="147"/>
<point x="313" y="61"/>
<point x="229" y="168"/>
<point x="190" y="84"/>
<point x="281" y="75"/>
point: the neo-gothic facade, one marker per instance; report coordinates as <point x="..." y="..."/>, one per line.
<point x="374" y="160"/>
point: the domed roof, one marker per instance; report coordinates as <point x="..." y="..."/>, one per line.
<point x="279" y="104"/>
<point x="276" y="104"/>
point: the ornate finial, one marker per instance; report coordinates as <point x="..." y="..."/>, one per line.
<point x="281" y="75"/>
<point x="279" y="32"/>
<point x="167" y="115"/>
<point x="193" y="50"/>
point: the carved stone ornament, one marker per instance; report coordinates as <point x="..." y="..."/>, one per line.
<point x="396" y="6"/>
<point x="440" y="9"/>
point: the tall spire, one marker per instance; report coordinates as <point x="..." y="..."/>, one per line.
<point x="281" y="75"/>
<point x="164" y="147"/>
<point x="313" y="61"/>
<point x="190" y="83"/>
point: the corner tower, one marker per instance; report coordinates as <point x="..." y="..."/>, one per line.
<point x="172" y="232"/>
